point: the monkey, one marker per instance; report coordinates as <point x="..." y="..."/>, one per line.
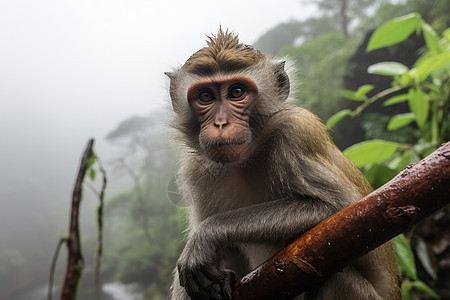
<point x="257" y="171"/>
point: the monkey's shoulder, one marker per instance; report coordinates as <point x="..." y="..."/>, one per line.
<point x="301" y="130"/>
<point x="307" y="137"/>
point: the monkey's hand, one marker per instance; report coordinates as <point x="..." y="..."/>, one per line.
<point x="198" y="272"/>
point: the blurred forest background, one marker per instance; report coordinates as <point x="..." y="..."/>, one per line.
<point x="144" y="219"/>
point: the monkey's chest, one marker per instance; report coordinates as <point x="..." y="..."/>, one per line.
<point x="246" y="190"/>
<point x="230" y="189"/>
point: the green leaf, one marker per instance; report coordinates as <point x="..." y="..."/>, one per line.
<point x="90" y="162"/>
<point x="405" y="289"/>
<point x="419" y="105"/>
<point x="400" y="120"/>
<point x="359" y="95"/>
<point x="431" y="38"/>
<point x="334" y="119"/>
<point x="364" y="89"/>
<point x="92" y="174"/>
<point x="387" y="68"/>
<point x="371" y="152"/>
<point x="394" y="32"/>
<point x="379" y="175"/>
<point x="407" y="79"/>
<point x="430" y="64"/>
<point x="424" y="257"/>
<point x="351" y="95"/>
<point x="446" y="34"/>
<point x="413" y="158"/>
<point x="400" y="162"/>
<point x="396" y="99"/>
<point x="421" y="286"/>
<point x="405" y="256"/>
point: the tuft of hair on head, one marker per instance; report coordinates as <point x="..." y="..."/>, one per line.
<point x="224" y="53"/>
<point x="222" y="40"/>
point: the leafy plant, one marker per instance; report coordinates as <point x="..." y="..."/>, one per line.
<point x="426" y="88"/>
<point x="323" y="59"/>
<point x="405" y="261"/>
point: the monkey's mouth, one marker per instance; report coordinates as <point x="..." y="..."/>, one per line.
<point x="225" y="151"/>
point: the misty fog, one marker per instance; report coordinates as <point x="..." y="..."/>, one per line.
<point x="71" y="70"/>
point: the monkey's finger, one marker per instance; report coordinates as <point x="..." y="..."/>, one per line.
<point x="197" y="293"/>
<point x="198" y="284"/>
<point x="227" y="284"/>
<point x="189" y="281"/>
<point x="215" y="291"/>
<point x="213" y="273"/>
<point x="227" y="291"/>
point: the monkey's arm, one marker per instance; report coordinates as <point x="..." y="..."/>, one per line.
<point x="277" y="221"/>
<point x="274" y="222"/>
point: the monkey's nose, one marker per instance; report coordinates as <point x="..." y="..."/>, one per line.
<point x="221" y="117"/>
<point x="220" y="123"/>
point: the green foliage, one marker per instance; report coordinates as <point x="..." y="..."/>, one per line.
<point x="429" y="64"/>
<point x="144" y="234"/>
<point x="375" y="124"/>
<point x="274" y="39"/>
<point x="400" y="121"/>
<point x="427" y="83"/>
<point x="359" y="95"/>
<point x="419" y="105"/>
<point x="319" y="61"/>
<point x="90" y="163"/>
<point x="147" y="239"/>
<point x="347" y="12"/>
<point x="338" y="116"/>
<point x="394" y="32"/>
<point x="288" y="33"/>
<point x="387" y="68"/>
<point x="129" y="126"/>
<point x="405" y="260"/>
<point x="405" y="256"/>
<point x="396" y="99"/>
<point x="386" y="11"/>
<point x="426" y="87"/>
<point x="371" y="152"/>
<point x="424" y="258"/>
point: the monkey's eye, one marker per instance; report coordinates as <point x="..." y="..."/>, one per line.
<point x="236" y="92"/>
<point x="205" y="96"/>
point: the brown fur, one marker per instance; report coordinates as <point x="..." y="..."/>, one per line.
<point x="288" y="178"/>
<point x="224" y="52"/>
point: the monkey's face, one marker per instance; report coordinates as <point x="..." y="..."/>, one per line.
<point x="222" y="105"/>
<point x="231" y="90"/>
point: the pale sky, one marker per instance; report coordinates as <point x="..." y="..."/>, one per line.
<point x="63" y="61"/>
<point x="70" y="70"/>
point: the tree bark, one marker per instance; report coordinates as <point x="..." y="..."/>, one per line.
<point x="75" y="259"/>
<point x="415" y="193"/>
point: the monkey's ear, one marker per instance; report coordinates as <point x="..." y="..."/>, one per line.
<point x="172" y="90"/>
<point x="169" y="74"/>
<point x="283" y="83"/>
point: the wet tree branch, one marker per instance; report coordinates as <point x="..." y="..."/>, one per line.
<point x="75" y="259"/>
<point x="53" y="266"/>
<point x="101" y="198"/>
<point x="415" y="193"/>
